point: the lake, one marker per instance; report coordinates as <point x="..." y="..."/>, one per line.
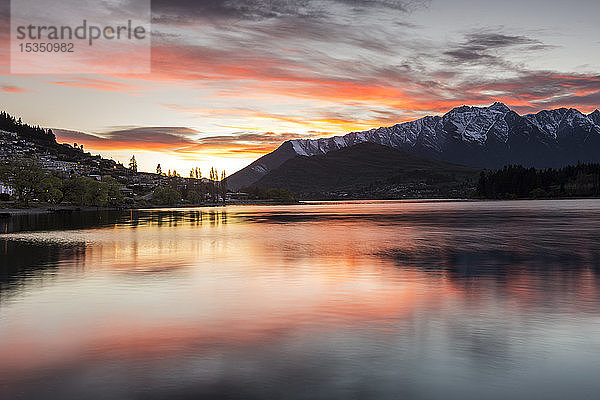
<point x="355" y="300"/>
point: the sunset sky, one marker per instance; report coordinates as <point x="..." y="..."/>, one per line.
<point x="233" y="79"/>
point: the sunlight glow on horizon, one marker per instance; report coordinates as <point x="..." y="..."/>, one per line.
<point x="228" y="87"/>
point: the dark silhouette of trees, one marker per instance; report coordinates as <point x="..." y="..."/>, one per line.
<point x="514" y="181"/>
<point x="279" y="195"/>
<point x="35" y="133"/>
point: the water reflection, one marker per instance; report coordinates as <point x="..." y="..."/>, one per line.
<point x="378" y="300"/>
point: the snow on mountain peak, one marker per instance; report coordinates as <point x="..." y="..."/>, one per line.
<point x="473" y="124"/>
<point x="467" y="124"/>
<point x="595" y="117"/>
<point x="498" y="106"/>
<point x="477" y="136"/>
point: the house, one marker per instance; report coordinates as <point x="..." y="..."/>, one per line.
<point x="237" y="196"/>
<point x="5" y="188"/>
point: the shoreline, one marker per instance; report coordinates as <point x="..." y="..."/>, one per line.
<point x="67" y="210"/>
<point x="51" y="210"/>
<point x="9" y="212"/>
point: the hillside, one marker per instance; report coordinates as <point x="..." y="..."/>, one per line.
<point x="481" y="137"/>
<point x="369" y="169"/>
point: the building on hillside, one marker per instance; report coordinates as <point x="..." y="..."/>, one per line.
<point x="68" y="167"/>
<point x="5" y="188"/>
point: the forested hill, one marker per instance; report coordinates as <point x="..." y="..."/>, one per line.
<point x="369" y="170"/>
<point x="33" y="133"/>
<point x="582" y="180"/>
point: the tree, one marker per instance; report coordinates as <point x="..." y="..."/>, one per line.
<point x="274" y="194"/>
<point x="51" y="189"/>
<point x="223" y="185"/>
<point x="166" y="196"/>
<point x="84" y="191"/>
<point x="115" y="196"/>
<point x="11" y="124"/>
<point x="25" y="177"/>
<point x="515" y="181"/>
<point x="158" y="170"/>
<point x="193" y="197"/>
<point x="133" y="164"/>
<point x="214" y="184"/>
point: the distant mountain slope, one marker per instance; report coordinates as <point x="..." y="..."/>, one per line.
<point x="476" y="136"/>
<point x="262" y="166"/>
<point x="354" y="168"/>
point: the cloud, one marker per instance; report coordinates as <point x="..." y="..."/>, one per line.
<point x="4" y="36"/>
<point x="136" y="138"/>
<point x="320" y="66"/>
<point x="490" y="40"/>
<point x="484" y="46"/>
<point x="242" y="143"/>
<point x="531" y="91"/>
<point x="185" y="10"/>
<point x="180" y="140"/>
<point x="95" y="84"/>
<point x="12" y="89"/>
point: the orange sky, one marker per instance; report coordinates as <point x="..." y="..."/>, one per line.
<point x="230" y="83"/>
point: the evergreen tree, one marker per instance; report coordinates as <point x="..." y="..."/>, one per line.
<point x="133" y="164"/>
<point x="519" y="182"/>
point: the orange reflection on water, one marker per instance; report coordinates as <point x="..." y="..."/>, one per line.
<point x="196" y="282"/>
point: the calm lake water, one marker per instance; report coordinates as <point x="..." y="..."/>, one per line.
<point x="380" y="300"/>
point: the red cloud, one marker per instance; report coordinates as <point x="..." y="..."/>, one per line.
<point x="12" y="89"/>
<point x="96" y="84"/>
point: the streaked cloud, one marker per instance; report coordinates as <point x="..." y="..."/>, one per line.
<point x="243" y="76"/>
<point x="181" y="10"/>
<point x="95" y="84"/>
<point x="176" y="140"/>
<point x="490" y="47"/>
<point x="137" y="138"/>
<point x="12" y="89"/>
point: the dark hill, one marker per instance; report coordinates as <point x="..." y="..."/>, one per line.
<point x="366" y="167"/>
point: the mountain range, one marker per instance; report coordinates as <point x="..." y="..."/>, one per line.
<point x="479" y="137"/>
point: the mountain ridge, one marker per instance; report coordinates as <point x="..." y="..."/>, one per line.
<point x="481" y="137"/>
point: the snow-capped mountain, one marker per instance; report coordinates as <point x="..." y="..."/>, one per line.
<point x="490" y="137"/>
